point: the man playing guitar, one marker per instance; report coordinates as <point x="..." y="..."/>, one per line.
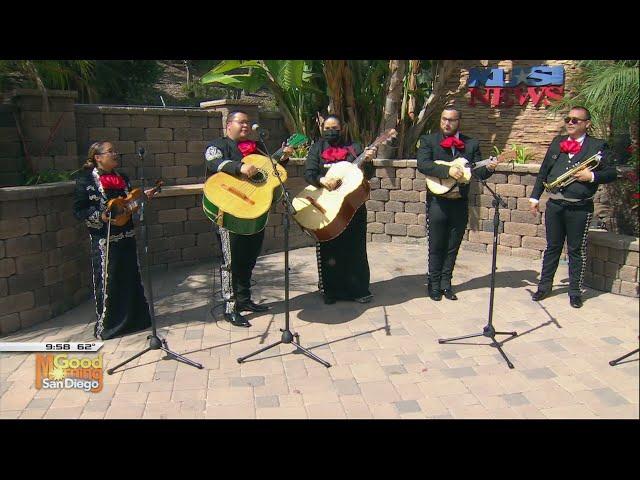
<point x="447" y="214"/>
<point x="240" y="252"/>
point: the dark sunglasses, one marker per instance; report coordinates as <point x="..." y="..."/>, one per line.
<point x="574" y="120"/>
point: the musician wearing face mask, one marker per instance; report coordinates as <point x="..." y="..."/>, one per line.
<point x="447" y="214"/>
<point x="569" y="208"/>
<point x="343" y="267"/>
<point x="240" y="252"/>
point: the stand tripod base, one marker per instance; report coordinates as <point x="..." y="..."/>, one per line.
<point x="155" y="343"/>
<point x="613" y="363"/>
<point x="287" y="337"/>
<point x="488" y="332"/>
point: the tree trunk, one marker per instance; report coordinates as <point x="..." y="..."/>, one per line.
<point x="333" y="72"/>
<point x="350" y="104"/>
<point x="392" y="105"/>
<point x="445" y="69"/>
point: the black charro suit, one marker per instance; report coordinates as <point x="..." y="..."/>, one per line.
<point x="446" y="217"/>
<point x="568" y="212"/>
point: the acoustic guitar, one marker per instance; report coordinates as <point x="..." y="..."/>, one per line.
<point x="122" y="208"/>
<point x="242" y="204"/>
<point x="325" y="214"/>
<point x="442" y="186"/>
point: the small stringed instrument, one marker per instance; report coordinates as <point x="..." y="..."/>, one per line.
<point x="242" y="204"/>
<point x="325" y="214"/>
<point x="122" y="208"/>
<point x="442" y="186"/>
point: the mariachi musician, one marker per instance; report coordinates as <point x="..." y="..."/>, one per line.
<point x="240" y="252"/>
<point x="569" y="209"/>
<point x="343" y="267"/>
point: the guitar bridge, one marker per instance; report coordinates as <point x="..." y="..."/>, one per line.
<point x="316" y="204"/>
<point x="237" y="193"/>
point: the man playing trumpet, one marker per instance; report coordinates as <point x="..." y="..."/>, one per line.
<point x="570" y="205"/>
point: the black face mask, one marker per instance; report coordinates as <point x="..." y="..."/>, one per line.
<point x="332" y="136"/>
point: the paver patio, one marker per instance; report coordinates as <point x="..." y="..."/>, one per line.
<point x="386" y="360"/>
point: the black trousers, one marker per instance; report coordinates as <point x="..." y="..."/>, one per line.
<point x="571" y="222"/>
<point x="240" y="253"/>
<point x="446" y="224"/>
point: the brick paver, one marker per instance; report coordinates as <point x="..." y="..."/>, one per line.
<point x="385" y="356"/>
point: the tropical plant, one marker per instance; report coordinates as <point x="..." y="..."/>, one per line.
<point x="610" y="90"/>
<point x="47" y="74"/>
<point x="293" y="83"/>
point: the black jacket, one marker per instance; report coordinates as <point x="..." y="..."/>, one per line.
<point x="315" y="167"/>
<point x="223" y="155"/>
<point x="556" y="163"/>
<point x="430" y="151"/>
<point x="89" y="203"/>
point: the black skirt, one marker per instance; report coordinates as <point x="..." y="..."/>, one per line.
<point x="343" y="266"/>
<point x="123" y="308"/>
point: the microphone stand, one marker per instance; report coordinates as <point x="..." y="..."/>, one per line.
<point x="287" y="335"/>
<point x="489" y="331"/>
<point x="155" y="342"/>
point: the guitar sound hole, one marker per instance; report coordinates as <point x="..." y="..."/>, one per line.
<point x="259" y="177"/>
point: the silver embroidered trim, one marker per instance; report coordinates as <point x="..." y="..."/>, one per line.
<point x="93" y="280"/>
<point x="227" y="277"/>
<point x="583" y="250"/>
<point x="120" y="236"/>
<point x="102" y="244"/>
<point x="94" y="220"/>
<point x="223" y="164"/>
<point x="319" y="260"/>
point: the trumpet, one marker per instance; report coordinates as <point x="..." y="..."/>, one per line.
<point x="568" y="178"/>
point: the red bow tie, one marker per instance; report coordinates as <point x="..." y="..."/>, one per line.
<point x="112" y="181"/>
<point x="570" y="146"/>
<point x="247" y="147"/>
<point x="452" y="142"/>
<point x="334" y="154"/>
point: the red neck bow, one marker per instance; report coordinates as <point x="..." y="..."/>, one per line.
<point x="247" y="147"/>
<point x="570" y="146"/>
<point x="334" y="154"/>
<point x="452" y="141"/>
<point x="112" y="181"/>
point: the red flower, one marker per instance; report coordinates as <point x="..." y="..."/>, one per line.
<point x="632" y="176"/>
<point x="630" y="149"/>
<point x="636" y="196"/>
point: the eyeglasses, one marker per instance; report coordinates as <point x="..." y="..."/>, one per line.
<point x="109" y="153"/>
<point x="331" y="128"/>
<point x="450" y="120"/>
<point x="573" y="120"/>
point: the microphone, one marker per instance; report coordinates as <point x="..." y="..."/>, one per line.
<point x="141" y="151"/>
<point x="261" y="131"/>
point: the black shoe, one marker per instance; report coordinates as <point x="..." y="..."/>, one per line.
<point x="364" y="299"/>
<point x="251" y="306"/>
<point x="435" y="295"/>
<point x="236" y="319"/>
<point x="449" y="295"/>
<point x="329" y="300"/>
<point x="540" y="295"/>
<point x="575" y="301"/>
